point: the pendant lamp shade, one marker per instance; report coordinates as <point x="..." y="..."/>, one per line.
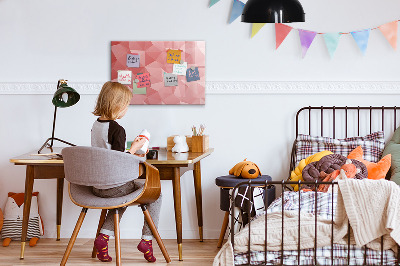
<point x="273" y="11"/>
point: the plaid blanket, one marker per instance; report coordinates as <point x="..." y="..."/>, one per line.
<point x="323" y="205"/>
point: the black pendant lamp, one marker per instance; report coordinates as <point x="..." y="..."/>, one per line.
<point x="273" y="11"/>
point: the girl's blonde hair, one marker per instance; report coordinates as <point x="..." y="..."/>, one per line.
<point x="112" y="99"/>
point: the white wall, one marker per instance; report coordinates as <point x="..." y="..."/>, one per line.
<point x="42" y="41"/>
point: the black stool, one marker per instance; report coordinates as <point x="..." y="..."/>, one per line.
<point x="226" y="183"/>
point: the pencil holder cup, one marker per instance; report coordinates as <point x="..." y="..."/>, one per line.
<point x="200" y="143"/>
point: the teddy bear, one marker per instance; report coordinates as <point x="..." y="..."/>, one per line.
<point x="245" y="169"/>
<point x="180" y="144"/>
<point x="13" y="215"/>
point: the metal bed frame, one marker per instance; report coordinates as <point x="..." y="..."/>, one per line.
<point x="283" y="184"/>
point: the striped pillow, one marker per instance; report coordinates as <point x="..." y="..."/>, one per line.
<point x="372" y="145"/>
<point x="13" y="228"/>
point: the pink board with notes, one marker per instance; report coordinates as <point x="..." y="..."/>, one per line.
<point x="162" y="72"/>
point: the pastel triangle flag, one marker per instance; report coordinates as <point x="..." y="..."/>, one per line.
<point x="389" y="30"/>
<point x="281" y="31"/>
<point x="361" y="37"/>
<point x="256" y="27"/>
<point x="237" y="9"/>
<point x="332" y="41"/>
<point x="306" y="39"/>
<point x="213" y="2"/>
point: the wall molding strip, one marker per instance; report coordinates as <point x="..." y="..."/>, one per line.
<point x="232" y="87"/>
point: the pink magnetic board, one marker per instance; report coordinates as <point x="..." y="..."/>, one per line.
<point x="168" y="84"/>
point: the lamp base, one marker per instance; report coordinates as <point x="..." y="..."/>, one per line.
<point x="50" y="146"/>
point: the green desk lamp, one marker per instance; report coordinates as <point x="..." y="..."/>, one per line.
<point x="65" y="96"/>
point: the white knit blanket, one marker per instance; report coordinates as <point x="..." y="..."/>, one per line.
<point x="372" y="207"/>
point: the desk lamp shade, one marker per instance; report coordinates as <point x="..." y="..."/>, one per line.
<point x="64" y="96"/>
<point x="273" y="11"/>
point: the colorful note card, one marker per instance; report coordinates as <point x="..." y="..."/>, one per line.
<point x="133" y="60"/>
<point x="174" y="56"/>
<point x="125" y="77"/>
<point x="144" y="80"/>
<point x="170" y="80"/>
<point x="180" y="69"/>
<point x="136" y="90"/>
<point x="192" y="74"/>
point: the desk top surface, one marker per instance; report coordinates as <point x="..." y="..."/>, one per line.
<point x="164" y="157"/>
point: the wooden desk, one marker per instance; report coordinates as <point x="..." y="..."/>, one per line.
<point x="168" y="164"/>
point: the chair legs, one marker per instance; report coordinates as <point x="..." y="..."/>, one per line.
<point x="117" y="238"/>
<point x="73" y="237"/>
<point x="101" y="222"/>
<point x="154" y="230"/>
<point x="223" y="229"/>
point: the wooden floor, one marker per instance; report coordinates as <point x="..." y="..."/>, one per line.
<point x="50" y="252"/>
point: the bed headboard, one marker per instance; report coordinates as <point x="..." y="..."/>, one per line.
<point x="344" y="121"/>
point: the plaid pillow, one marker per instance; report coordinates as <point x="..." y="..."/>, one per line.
<point x="372" y="145"/>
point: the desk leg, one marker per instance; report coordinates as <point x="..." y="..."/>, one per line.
<point x="199" y="204"/>
<point x="176" y="182"/>
<point x="60" y="190"/>
<point x="27" y="206"/>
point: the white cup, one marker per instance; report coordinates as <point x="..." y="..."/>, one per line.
<point x="144" y="134"/>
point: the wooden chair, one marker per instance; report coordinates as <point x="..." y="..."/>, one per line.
<point x="85" y="167"/>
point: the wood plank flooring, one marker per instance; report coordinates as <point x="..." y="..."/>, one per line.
<point x="50" y="252"/>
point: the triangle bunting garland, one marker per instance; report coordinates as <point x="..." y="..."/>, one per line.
<point x="361" y="37"/>
<point x="213" y="2"/>
<point x="281" y="31"/>
<point x="237" y="9"/>
<point x="332" y="41"/>
<point x="389" y="30"/>
<point x="306" y="39"/>
<point x="256" y="27"/>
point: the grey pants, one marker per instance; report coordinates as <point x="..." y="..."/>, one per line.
<point x="154" y="208"/>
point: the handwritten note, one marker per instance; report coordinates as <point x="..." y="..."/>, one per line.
<point x="174" y="56"/>
<point x="125" y="76"/>
<point x="180" y="69"/>
<point x="192" y="74"/>
<point x="136" y="90"/>
<point x="144" y="80"/>
<point x="170" y="80"/>
<point x="132" y="60"/>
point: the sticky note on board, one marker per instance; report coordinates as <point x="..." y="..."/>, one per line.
<point x="174" y="56"/>
<point x="170" y="80"/>
<point x="133" y="60"/>
<point x="180" y="69"/>
<point x="192" y="74"/>
<point x="144" y="80"/>
<point x="125" y="77"/>
<point x="136" y="90"/>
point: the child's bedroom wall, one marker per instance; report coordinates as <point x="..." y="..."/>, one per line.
<point x="43" y="41"/>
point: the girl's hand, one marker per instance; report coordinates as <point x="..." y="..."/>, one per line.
<point x="143" y="155"/>
<point x="137" y="144"/>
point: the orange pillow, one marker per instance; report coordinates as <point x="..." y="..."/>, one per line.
<point x="375" y="170"/>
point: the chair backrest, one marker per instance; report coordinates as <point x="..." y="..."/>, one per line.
<point x="92" y="166"/>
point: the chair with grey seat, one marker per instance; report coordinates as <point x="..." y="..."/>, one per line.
<point x="85" y="167"/>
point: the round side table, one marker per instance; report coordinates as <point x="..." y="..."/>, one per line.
<point x="228" y="182"/>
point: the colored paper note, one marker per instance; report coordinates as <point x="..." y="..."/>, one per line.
<point x="306" y="39"/>
<point x="173" y="56"/>
<point x="192" y="74"/>
<point x="180" y="69"/>
<point x="237" y="8"/>
<point x="332" y="41"/>
<point x="361" y="38"/>
<point x="281" y="31"/>
<point x="144" y="80"/>
<point x="125" y="77"/>
<point x="136" y="90"/>
<point x="389" y="30"/>
<point x="133" y="60"/>
<point x="170" y="80"/>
